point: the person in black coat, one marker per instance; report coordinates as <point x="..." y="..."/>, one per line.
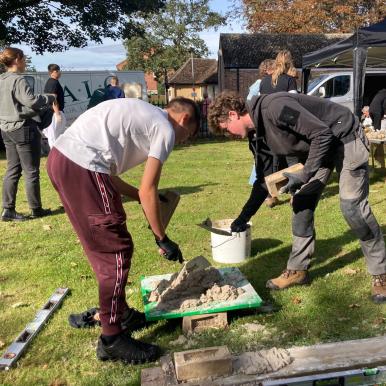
<point x="378" y="108"/>
<point x="329" y="136"/>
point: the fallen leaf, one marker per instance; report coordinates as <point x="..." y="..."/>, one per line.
<point x="351" y="271"/>
<point x="45" y="366"/>
<point x="379" y="321"/>
<point x="19" y="305"/>
<point x="47" y="227"/>
<point x="354" y="305"/>
<point x="296" y="300"/>
<point x="58" y="382"/>
<point x="2" y="344"/>
<point x="4" y="296"/>
<point x="73" y="264"/>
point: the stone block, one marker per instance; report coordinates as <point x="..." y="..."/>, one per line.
<point x="203" y="363"/>
<point x="153" y="376"/>
<point x="276" y="180"/>
<point x="197" y="323"/>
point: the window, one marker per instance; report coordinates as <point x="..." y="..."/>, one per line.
<point x="337" y="86"/>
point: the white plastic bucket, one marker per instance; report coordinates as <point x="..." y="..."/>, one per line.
<point x="230" y="249"/>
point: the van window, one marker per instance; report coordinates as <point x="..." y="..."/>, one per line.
<point x="337" y="86"/>
<point x="315" y="81"/>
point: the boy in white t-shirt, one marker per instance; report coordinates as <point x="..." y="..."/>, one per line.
<point x="83" y="166"/>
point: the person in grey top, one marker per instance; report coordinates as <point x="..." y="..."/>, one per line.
<point x="19" y="118"/>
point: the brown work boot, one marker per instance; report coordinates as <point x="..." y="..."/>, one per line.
<point x="288" y="278"/>
<point x="272" y="201"/>
<point x="378" y="288"/>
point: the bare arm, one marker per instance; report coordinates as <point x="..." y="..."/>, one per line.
<point x="125" y="189"/>
<point x="148" y="194"/>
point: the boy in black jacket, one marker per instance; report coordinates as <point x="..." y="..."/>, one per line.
<point x="329" y="136"/>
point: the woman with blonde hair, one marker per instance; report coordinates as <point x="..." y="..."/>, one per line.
<point x="280" y="80"/>
<point x="19" y="117"/>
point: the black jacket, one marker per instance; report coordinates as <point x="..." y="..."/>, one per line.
<point x="298" y="125"/>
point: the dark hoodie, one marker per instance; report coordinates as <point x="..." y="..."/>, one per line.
<point x="302" y="125"/>
<point x="18" y="103"/>
<point x="294" y="125"/>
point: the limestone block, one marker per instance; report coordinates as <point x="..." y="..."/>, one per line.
<point x="197" y="323"/>
<point x="203" y="363"/>
<point x="276" y="180"/>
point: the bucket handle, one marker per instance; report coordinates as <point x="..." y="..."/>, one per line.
<point x="224" y="242"/>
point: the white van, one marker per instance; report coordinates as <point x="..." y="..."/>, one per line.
<point x="79" y="87"/>
<point x="338" y="86"/>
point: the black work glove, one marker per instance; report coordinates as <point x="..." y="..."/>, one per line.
<point x="171" y="249"/>
<point x="239" y="225"/>
<point x="295" y="181"/>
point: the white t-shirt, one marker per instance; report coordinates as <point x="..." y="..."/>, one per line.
<point x="56" y="128"/>
<point x="117" y="135"/>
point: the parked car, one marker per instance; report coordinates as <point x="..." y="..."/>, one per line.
<point x="338" y="86"/>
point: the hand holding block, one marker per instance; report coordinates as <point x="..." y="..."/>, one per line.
<point x="276" y="180"/>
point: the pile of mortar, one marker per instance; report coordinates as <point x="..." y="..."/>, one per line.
<point x="197" y="283"/>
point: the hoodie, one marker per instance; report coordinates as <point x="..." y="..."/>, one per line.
<point x="18" y="103"/>
<point x="302" y="125"/>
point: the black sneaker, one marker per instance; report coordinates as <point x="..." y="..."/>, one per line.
<point x="40" y="212"/>
<point x="132" y="319"/>
<point x="127" y="350"/>
<point x="12" y="215"/>
<point x="85" y="319"/>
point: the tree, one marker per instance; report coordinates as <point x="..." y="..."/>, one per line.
<point x="57" y="25"/>
<point x="171" y="36"/>
<point x="311" y="16"/>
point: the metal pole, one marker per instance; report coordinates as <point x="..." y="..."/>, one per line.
<point x="166" y="84"/>
<point x="193" y="86"/>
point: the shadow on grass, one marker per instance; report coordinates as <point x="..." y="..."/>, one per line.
<point x="182" y="190"/>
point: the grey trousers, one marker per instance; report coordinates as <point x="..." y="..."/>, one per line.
<point x="22" y="148"/>
<point x="351" y="163"/>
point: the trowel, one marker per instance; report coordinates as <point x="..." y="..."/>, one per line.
<point x="207" y="224"/>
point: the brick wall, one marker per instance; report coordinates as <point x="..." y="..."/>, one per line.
<point x="246" y="78"/>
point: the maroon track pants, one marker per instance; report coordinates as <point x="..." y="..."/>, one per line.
<point x="95" y="210"/>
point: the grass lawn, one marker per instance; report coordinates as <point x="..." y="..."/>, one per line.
<point x="212" y="179"/>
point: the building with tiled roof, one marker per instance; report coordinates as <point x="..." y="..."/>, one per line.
<point x="239" y="55"/>
<point x="194" y="78"/>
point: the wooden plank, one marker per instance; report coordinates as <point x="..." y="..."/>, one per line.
<point x="276" y="180"/>
<point x="169" y="370"/>
<point x="317" y="359"/>
<point x="324" y="358"/>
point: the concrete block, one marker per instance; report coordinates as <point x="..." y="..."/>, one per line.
<point x="197" y="323"/>
<point x="276" y="180"/>
<point x="203" y="363"/>
<point x="153" y="376"/>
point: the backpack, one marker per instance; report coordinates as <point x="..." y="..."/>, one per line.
<point x="98" y="96"/>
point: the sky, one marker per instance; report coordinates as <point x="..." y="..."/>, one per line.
<point x="105" y="56"/>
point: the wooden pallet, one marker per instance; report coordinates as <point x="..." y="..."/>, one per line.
<point x="311" y="360"/>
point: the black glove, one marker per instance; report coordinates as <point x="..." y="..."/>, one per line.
<point x="170" y="248"/>
<point x="239" y="225"/>
<point x="295" y="181"/>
